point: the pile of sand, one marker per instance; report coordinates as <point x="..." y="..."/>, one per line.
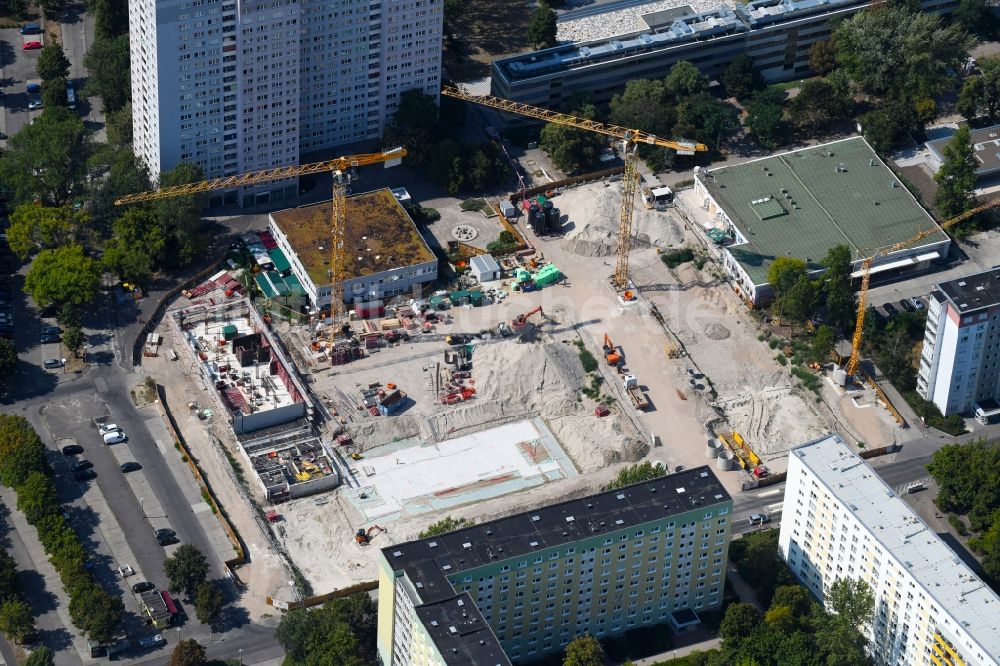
<point x="594" y="213"/>
<point x="513" y="382"/>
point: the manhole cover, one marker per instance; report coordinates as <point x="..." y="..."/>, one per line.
<point x="464" y="232"/>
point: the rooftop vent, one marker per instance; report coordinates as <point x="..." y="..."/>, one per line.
<point x="680" y="490"/>
<point x="961" y="283"/>
<point x="397" y="553"/>
<point x="432" y="544"/>
<point x="461" y="603"/>
<point x="535" y="518"/>
<point x="533" y="544"/>
<point x="466" y="545"/>
<point x="620" y="496"/>
<point x="619" y="522"/>
<point x="452" y="630"/>
<point x="434" y="623"/>
<point x="570" y="519"/>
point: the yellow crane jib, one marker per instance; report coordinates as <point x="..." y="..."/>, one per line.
<point x="267" y="175"/>
<point x="866" y="271"/>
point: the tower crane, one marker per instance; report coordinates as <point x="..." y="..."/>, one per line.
<point x="866" y="273"/>
<point x="630" y="138"/>
<point x="338" y="203"/>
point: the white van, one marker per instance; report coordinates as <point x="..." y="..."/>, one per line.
<point x="116" y="437"/>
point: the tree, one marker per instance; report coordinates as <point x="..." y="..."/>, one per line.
<point x="8" y="576"/>
<point x="852" y="600"/>
<point x="294" y="633"/>
<point x="53" y="63"/>
<point x="414" y="125"/>
<point x="817" y="105"/>
<point x="63" y="276"/>
<point x="188" y="653"/>
<point x="37" y="497"/>
<point x="644" y="104"/>
<point x="880" y="130"/>
<point x="126" y="173"/>
<point x="969" y="97"/>
<point x="542" y="26"/>
<point x="34" y="227"/>
<point x="118" y="127"/>
<point x="785" y="272"/>
<point x="898" y="53"/>
<point x="136" y="246"/>
<point x="53" y="8"/>
<point x="8" y="358"/>
<point x="636" y="474"/>
<point x="73" y="337"/>
<point x="109" y="77"/>
<point x="685" y="80"/>
<point x="41" y="656"/>
<point x="94" y="611"/>
<point x="794" y="597"/>
<point x="341" y="632"/>
<point x="741" y="78"/>
<point x="110" y="18"/>
<point x="739" y="622"/>
<point x="180" y="217"/>
<point x="989" y="87"/>
<point x="208" y="603"/>
<point x="21" y="450"/>
<point x="573" y="149"/>
<point x="823" y="342"/>
<point x="801" y="300"/>
<point x="975" y="18"/>
<point x="823" y="57"/>
<point x="956" y="178"/>
<point x="765" y="117"/>
<point x="443" y="526"/>
<point x="54" y="93"/>
<point x="16" y="620"/>
<point x="186" y="568"/>
<point x="705" y="119"/>
<point x="47" y="159"/>
<point x="841" y="305"/>
<point x="16" y="8"/>
<point x="584" y="651"/>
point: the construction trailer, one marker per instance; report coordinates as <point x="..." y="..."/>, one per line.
<point x="391" y="402"/>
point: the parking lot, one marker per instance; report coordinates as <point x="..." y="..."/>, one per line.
<point x="17" y="67"/>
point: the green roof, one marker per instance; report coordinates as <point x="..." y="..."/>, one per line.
<point x="801" y="204"/>
<point x="279" y="260"/>
<point x="265" y="285"/>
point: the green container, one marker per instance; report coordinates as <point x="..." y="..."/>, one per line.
<point x="229" y="331"/>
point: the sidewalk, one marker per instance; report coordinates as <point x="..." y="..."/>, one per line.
<point x="669" y="655"/>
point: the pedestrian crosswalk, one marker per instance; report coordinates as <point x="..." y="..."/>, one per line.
<point x="912" y="486"/>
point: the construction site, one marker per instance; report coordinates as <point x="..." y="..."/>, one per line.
<point x="520" y="381"/>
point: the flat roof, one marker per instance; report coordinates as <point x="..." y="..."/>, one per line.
<point x="461" y="633"/>
<point x="973" y="292"/>
<point x="379" y="236"/>
<point x="427" y="562"/>
<point x="985" y="146"/>
<point x="804" y="202"/>
<point x="907" y="539"/>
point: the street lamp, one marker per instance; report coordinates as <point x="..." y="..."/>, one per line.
<point x="241" y="656"/>
<point x="142" y="506"/>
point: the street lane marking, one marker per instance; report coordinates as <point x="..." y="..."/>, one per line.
<point x="770" y="492"/>
<point x="776" y="508"/>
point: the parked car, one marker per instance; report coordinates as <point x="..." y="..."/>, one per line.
<point x="53" y="363"/>
<point x="33" y="87"/>
<point x="48" y="339"/>
<point x="164" y="531"/>
<point x="31" y="29"/>
<point x="72" y="449"/>
<point x="144" y="586"/>
<point x="85" y="475"/>
<point x="81" y="465"/>
<point x="31" y="46"/>
<point x="917" y="304"/>
<point x="166" y="539"/>
<point x="130" y="467"/>
<point x="156" y="640"/>
<point x="890" y="309"/>
<point x="115" y="437"/>
<point x="51" y="330"/>
<point x="759" y="518"/>
<point x="109" y="427"/>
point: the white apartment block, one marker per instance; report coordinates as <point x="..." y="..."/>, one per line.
<point x="245" y="85"/>
<point x="960" y="361"/>
<point x="842" y="521"/>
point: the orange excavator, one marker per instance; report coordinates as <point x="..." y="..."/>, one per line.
<point x="611" y="354"/>
<point x="518" y="322"/>
<point x="364" y="537"/>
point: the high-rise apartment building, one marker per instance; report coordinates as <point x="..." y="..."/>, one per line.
<point x="242" y="86"/>
<point x="960" y="361"/>
<point x="526" y="585"/>
<point x="842" y="521"/>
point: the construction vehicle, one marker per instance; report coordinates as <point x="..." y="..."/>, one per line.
<point x="338" y="204"/>
<point x="630" y="138"/>
<point x="866" y="274"/>
<point x="518" y="322"/>
<point x="455" y="339"/>
<point x="364" y="537"/>
<point x="635" y="394"/>
<point x="611" y="353"/>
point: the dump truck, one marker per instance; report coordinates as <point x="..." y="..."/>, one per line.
<point x="635" y="394"/>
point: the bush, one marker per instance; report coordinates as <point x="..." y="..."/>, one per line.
<point x="929" y="412"/>
<point x="423" y="215"/>
<point x="780" y="358"/>
<point x="808" y="379"/>
<point x="675" y="258"/>
<point x="586" y="358"/>
<point x="476" y="204"/>
<point x="443" y="526"/>
<point x="958" y="524"/>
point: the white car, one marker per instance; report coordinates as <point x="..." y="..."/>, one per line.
<point x="109" y="427"/>
<point x="115" y="437"/>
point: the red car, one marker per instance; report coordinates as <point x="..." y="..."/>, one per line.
<point x="30" y="46"/>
